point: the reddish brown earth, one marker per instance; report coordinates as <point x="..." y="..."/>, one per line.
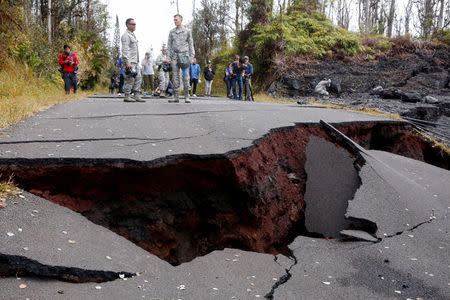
<point x="190" y="206"/>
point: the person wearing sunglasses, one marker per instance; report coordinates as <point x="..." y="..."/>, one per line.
<point x="130" y="58"/>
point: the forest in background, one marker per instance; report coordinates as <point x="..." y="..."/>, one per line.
<point x="271" y="32"/>
<point x="277" y="33"/>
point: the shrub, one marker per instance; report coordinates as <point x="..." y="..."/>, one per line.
<point x="310" y="35"/>
<point x="441" y="36"/>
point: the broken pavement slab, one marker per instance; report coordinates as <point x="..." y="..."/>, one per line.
<point x="231" y="271"/>
<point x="398" y="193"/>
<point x="417" y="268"/>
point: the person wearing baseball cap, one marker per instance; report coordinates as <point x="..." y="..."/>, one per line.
<point x="208" y="73"/>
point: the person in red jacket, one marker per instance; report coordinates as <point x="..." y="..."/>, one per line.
<point x="69" y="67"/>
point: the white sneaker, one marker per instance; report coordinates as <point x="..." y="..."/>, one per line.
<point x="194" y="95"/>
<point x="119" y="95"/>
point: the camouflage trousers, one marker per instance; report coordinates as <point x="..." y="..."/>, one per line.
<point x="133" y="84"/>
<point x="163" y="80"/>
<point x="176" y="77"/>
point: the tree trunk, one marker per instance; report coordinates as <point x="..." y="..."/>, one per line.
<point x="440" y="21"/>
<point x="49" y="21"/>
<point x="427" y="23"/>
<point x="260" y="12"/>
<point x="88" y="13"/>
<point x="390" y="19"/>
<point x="236" y="20"/>
<point x="408" y="16"/>
<point x="366" y="16"/>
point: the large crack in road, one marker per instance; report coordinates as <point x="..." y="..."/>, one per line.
<point x="186" y="206"/>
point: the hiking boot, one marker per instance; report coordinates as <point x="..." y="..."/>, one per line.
<point x="186" y="98"/>
<point x="175" y="99"/>
<point x="138" y="98"/>
<point x="128" y="98"/>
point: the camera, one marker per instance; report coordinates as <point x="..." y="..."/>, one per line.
<point x="131" y="72"/>
<point x="166" y="67"/>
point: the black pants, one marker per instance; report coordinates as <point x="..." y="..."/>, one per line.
<point x="228" y="83"/>
<point x="121" y="82"/>
<point x="70" y="81"/>
<point x="248" y="89"/>
<point x="194" y="82"/>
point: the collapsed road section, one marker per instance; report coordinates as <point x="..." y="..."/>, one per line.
<point x="185" y="206"/>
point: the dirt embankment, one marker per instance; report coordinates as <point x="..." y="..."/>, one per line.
<point x="414" y="85"/>
<point x="426" y="73"/>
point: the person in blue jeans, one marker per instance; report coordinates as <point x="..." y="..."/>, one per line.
<point x="237" y="72"/>
<point x="194" y="75"/>
<point x="121" y="79"/>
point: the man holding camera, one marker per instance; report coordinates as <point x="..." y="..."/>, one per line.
<point x="130" y="57"/>
<point x="248" y="79"/>
<point x="69" y="67"/>
<point x="163" y="63"/>
<point x="181" y="53"/>
<point x="237" y="71"/>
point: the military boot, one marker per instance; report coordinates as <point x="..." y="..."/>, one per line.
<point x="138" y="97"/>
<point x="128" y="98"/>
<point x="175" y="98"/>
<point x="186" y="98"/>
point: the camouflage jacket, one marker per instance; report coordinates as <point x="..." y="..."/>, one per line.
<point x="180" y="40"/>
<point x="130" y="51"/>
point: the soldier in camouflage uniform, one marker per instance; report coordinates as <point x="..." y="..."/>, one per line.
<point x="181" y="49"/>
<point x="163" y="76"/>
<point x="130" y="57"/>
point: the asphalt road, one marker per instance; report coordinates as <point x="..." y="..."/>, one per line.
<point x="111" y="128"/>
<point x="407" y="199"/>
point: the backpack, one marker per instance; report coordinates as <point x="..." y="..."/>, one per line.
<point x="183" y="60"/>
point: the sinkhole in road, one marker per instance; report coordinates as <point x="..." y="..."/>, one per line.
<point x="259" y="198"/>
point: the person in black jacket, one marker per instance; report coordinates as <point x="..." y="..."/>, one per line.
<point x="208" y="73"/>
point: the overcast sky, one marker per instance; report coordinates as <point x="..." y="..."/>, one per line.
<point x="154" y="19"/>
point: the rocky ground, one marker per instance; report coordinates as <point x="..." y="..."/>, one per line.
<point x="416" y="86"/>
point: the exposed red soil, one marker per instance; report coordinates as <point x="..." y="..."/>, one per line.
<point x="178" y="210"/>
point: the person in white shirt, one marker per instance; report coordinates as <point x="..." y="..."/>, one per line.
<point x="148" y="73"/>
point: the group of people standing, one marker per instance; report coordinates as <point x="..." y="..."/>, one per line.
<point x="178" y="57"/>
<point x="195" y="77"/>
<point x="239" y="73"/>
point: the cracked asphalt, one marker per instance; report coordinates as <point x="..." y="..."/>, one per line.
<point x="110" y="128"/>
<point x="407" y="199"/>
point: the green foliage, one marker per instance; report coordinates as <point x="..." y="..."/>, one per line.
<point x="24" y="40"/>
<point x="442" y="36"/>
<point x="96" y="57"/>
<point x="384" y="45"/>
<point x="305" y="34"/>
<point x="220" y="61"/>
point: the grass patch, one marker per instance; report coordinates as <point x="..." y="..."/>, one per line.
<point x="8" y="188"/>
<point x="261" y="97"/>
<point x="435" y="142"/>
<point x="22" y="94"/>
<point x="368" y="111"/>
